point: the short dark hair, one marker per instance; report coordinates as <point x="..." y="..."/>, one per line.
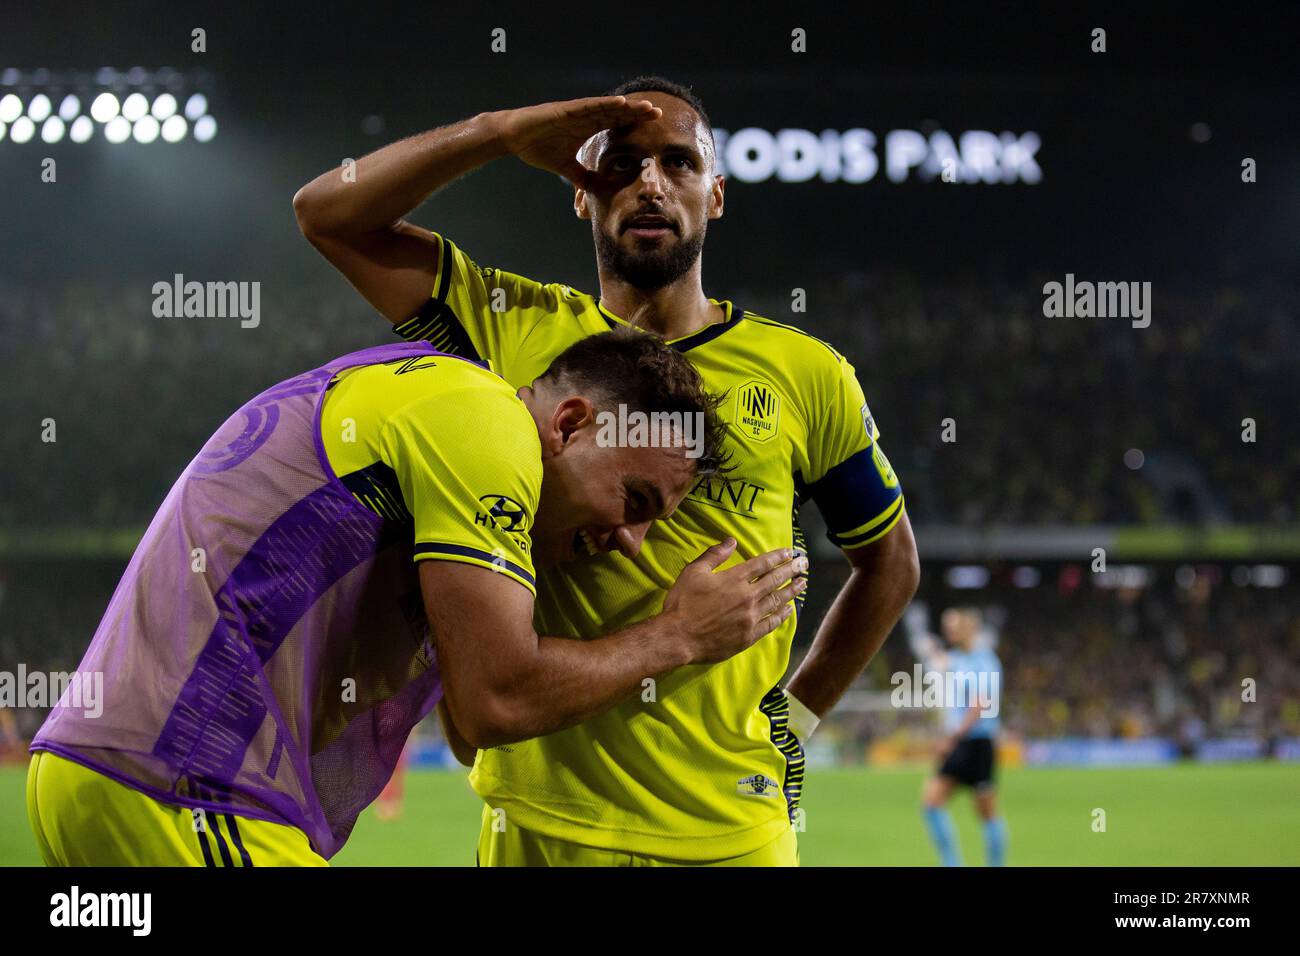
<point x="659" y="84"/>
<point x="637" y="369"/>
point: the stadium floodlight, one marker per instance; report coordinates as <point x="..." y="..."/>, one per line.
<point x="52" y="129"/>
<point x="39" y="108"/>
<point x="117" y="130"/>
<point x="196" y="106"/>
<point x="145" y="129"/>
<point x="22" y="129"/>
<point x="83" y="127"/>
<point x="205" y="127"/>
<point x="69" y="108"/>
<point x="174" y="129"/>
<point x="135" y="106"/>
<point x="164" y="106"/>
<point x="2" y="132"/>
<point x="104" y="108"/>
<point x="11" y="107"/>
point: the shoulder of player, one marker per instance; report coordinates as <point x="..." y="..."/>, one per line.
<point x="474" y="397"/>
<point x="789" y="337"/>
<point x="495" y="275"/>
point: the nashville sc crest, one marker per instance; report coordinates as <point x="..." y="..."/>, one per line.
<point x="758" y="411"/>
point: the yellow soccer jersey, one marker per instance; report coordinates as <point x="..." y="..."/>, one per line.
<point x="400" y="437"/>
<point x="701" y="766"/>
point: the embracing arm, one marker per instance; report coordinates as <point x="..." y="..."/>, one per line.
<point x="505" y="683"/>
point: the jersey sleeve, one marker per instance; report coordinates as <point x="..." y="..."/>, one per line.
<point x="847" y="473"/>
<point x="471" y="482"/>
<point x="479" y="312"/>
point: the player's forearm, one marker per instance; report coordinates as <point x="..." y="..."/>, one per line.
<point x="391" y="182"/>
<point x="854" y="629"/>
<point x="568" y="681"/>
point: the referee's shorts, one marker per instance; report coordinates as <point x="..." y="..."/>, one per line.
<point x="971" y="763"/>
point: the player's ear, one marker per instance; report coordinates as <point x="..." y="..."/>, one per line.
<point x="571" y="415"/>
<point x="580" y="203"/>
<point x="716" y="197"/>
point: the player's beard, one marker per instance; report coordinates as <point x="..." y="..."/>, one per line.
<point x="649" y="270"/>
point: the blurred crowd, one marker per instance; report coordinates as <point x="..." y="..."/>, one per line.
<point x="1043" y="411"/>
<point x="1169" y="659"/>
<point x="1039" y="412"/>
<point x="133" y="397"/>
<point x="1190" y="656"/>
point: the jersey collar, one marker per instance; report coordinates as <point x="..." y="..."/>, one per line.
<point x="731" y="317"/>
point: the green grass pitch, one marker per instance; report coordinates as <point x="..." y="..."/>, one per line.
<point x="1185" y="815"/>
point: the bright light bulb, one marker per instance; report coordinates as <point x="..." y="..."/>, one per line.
<point x="117" y="130"/>
<point x="135" y="106"/>
<point x="22" y="129"/>
<point x="83" y="127"/>
<point x="104" y="108"/>
<point x="164" y="106"/>
<point x="11" y="107"/>
<point x="145" y="130"/>
<point x="173" y="129"/>
<point x="205" y="128"/>
<point x="39" y="108"/>
<point x="52" y="130"/>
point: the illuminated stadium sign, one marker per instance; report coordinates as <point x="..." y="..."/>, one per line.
<point x="754" y="155"/>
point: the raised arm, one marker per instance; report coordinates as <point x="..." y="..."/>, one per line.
<point x="506" y="683"/>
<point x="355" y="217"/>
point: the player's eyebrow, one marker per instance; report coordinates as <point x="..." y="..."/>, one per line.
<point x="651" y="492"/>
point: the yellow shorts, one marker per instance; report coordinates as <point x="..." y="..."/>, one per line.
<point x="502" y="843"/>
<point x="83" y="818"/>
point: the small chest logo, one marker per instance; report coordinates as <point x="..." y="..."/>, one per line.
<point x="757" y="785"/>
<point x="758" y="411"/>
